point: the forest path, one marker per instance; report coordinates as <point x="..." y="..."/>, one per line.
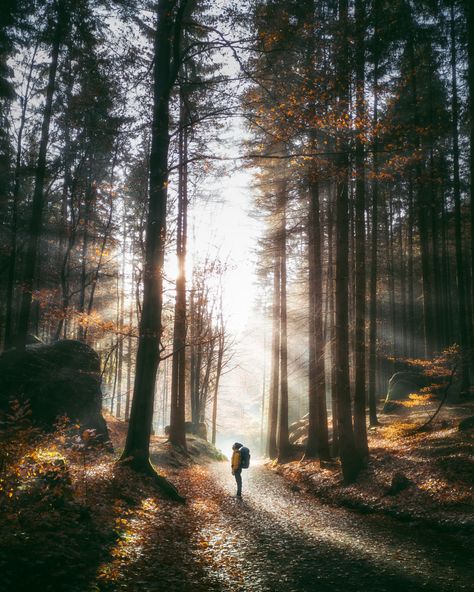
<point x="275" y="539"/>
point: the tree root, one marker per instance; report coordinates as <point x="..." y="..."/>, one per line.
<point x="146" y="468"/>
<point x="167" y="488"/>
<point x="424" y="427"/>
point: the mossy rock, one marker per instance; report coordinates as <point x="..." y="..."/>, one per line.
<point x="59" y="379"/>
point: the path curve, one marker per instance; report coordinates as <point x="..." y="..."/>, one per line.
<point x="275" y="539"/>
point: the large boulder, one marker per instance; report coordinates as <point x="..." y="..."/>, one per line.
<point x="58" y="379"/>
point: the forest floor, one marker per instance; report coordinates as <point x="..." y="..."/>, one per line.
<point x="75" y="521"/>
<point x="433" y="471"/>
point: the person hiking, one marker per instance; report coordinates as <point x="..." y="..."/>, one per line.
<point x="235" y="464"/>
<point x="240" y="460"/>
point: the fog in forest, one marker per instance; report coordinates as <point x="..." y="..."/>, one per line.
<point x="236" y="295"/>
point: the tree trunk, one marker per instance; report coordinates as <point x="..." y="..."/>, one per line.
<point x="390" y="250"/>
<point x="318" y="442"/>
<point x="137" y="446"/>
<point x="422" y="219"/>
<point x="373" y="421"/>
<point x="121" y="322"/>
<point x="37" y="206"/>
<point x="360" y="425"/>
<point x="350" y="457"/>
<point x="411" y="288"/>
<point x="9" y="308"/>
<point x="447" y="304"/>
<point x="129" y="365"/>
<point x="220" y="359"/>
<point x="275" y="370"/>
<point x="461" y="287"/>
<point x="403" y="287"/>
<point x="332" y="326"/>
<point x="469" y="12"/>
<point x="82" y="329"/>
<point x="283" y="439"/>
<point x="128" y="397"/>
<point x="177" y="433"/>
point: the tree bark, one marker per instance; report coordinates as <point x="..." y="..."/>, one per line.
<point x="88" y="201"/>
<point x="350" y="457"/>
<point x="469" y="12"/>
<point x="373" y="420"/>
<point x="422" y="216"/>
<point x="411" y="288"/>
<point x="360" y="425"/>
<point x="37" y="206"/>
<point x="275" y="370"/>
<point x="332" y="327"/>
<point x="177" y="434"/>
<point x="137" y="446"/>
<point x="9" y="308"/>
<point x="220" y="360"/>
<point x="283" y="443"/>
<point x="318" y="442"/>
<point x="461" y="287"/>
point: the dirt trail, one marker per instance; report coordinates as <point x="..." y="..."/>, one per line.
<point x="275" y="539"/>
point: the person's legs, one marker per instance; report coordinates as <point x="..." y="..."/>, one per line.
<point x="238" y="479"/>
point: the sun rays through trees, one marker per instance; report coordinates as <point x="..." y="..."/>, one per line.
<point x="255" y="214"/>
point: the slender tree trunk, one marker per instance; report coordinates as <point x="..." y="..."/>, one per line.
<point x="422" y="219"/>
<point x="437" y="309"/>
<point x="426" y="272"/>
<point x="447" y="305"/>
<point x="275" y="371"/>
<point x="469" y="12"/>
<point x="128" y="398"/>
<point x="360" y="423"/>
<point x="350" y="457"/>
<point x="374" y="237"/>
<point x="411" y="289"/>
<point x="193" y="353"/>
<point x="9" y="309"/>
<point x="352" y="275"/>
<point x="37" y="206"/>
<point x="129" y="365"/>
<point x="318" y="440"/>
<point x="433" y="209"/>
<point x="373" y="295"/>
<point x="121" y="321"/>
<point x="403" y="287"/>
<point x="94" y="274"/>
<point x="114" y="388"/>
<point x="82" y="329"/>
<point x="67" y="237"/>
<point x="177" y="433"/>
<point x="220" y="360"/>
<point x="264" y="383"/>
<point x="332" y="325"/>
<point x="390" y="249"/>
<point x="283" y="435"/>
<point x="70" y="231"/>
<point x="461" y="287"/>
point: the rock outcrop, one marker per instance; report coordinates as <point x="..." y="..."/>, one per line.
<point x="58" y="379"/>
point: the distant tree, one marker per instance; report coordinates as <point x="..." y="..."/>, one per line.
<point x="57" y="32"/>
<point x="360" y="398"/>
<point x="350" y="455"/>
